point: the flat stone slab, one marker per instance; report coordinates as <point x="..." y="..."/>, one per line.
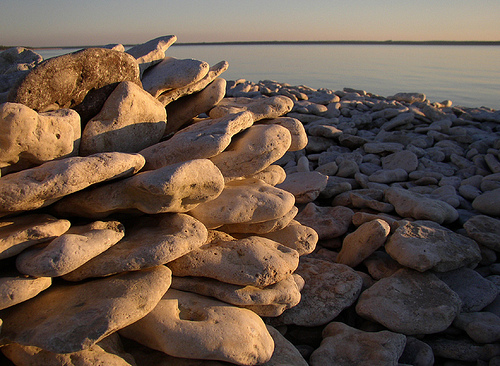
<point x="130" y="120"/>
<point x="328" y="222"/>
<point x="485" y="230"/>
<point x="81" y="81"/>
<point x="253" y="261"/>
<point x="417" y="206"/>
<point x="253" y="150"/>
<point x="342" y="346"/>
<point x="43" y="185"/>
<point x="70" y="250"/>
<point x="151" y="51"/>
<point x="398" y="303"/>
<point x="424" y="245"/>
<point x="21" y="232"/>
<point x="305" y="186"/>
<point x="149" y="241"/>
<point x="203" y="139"/>
<point x="261" y="108"/>
<point x="72" y="318"/>
<point x="296" y="236"/>
<point x="263" y="227"/>
<point x="488" y="203"/>
<point x="329" y="288"/>
<point x="245" y="201"/>
<point x="173" y="188"/>
<point x="14" y="290"/>
<point x="194" y="326"/>
<point x="30" y="138"/>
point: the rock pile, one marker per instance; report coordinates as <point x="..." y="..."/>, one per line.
<point x="154" y="214"/>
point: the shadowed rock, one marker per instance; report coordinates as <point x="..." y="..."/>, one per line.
<point x="14" y="290"/>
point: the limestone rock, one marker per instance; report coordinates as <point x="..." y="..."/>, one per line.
<point x="261" y="108"/>
<point x="214" y="72"/>
<point x="285" y="353"/>
<point x="15" y="63"/>
<point x="305" y="186"/>
<point x="252" y="151"/>
<point x="263" y="227"/>
<point x="296" y="128"/>
<point x="21" y="232"/>
<point x="367" y="238"/>
<point x="152" y="51"/>
<point x="184" y="109"/>
<point x="475" y="291"/>
<point x="14" y="290"/>
<point x="244" y="201"/>
<point x="424" y="245"/>
<point x="296" y="236"/>
<point x="66" y="319"/>
<point x="272" y="175"/>
<point x="172" y="73"/>
<point x="129" y="121"/>
<point x="43" y="185"/>
<point x="150" y="241"/>
<point x="328" y="222"/>
<point x="329" y="289"/>
<point x="417" y="353"/>
<point x="405" y="159"/>
<point x="70" y="250"/>
<point x="29" y="138"/>
<point x="482" y="327"/>
<point x="81" y="80"/>
<point x="343" y="345"/>
<point x="193" y="326"/>
<point x="398" y="303"/>
<point x="485" y="230"/>
<point x="203" y="139"/>
<point x="419" y="207"/>
<point x="463" y="349"/>
<point x="285" y="292"/>
<point x="253" y="261"/>
<point x="173" y="188"/>
<point x="488" y="203"/>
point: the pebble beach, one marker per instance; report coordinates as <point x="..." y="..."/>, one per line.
<point x="154" y="213"/>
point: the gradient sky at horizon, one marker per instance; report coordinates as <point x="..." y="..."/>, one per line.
<point x="47" y="23"/>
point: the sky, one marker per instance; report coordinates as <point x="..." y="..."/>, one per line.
<point x="45" y="23"/>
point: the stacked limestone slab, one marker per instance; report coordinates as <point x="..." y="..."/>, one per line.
<point x="407" y="193"/>
<point x="130" y="216"/>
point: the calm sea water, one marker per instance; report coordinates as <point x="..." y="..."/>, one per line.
<point x="466" y="75"/>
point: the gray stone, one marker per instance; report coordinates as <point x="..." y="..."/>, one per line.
<point x="462" y="349"/>
<point x="425" y="245"/>
<point x="475" y="291"/>
<point x="150" y="241"/>
<point x="305" y="186"/>
<point x="173" y="188"/>
<point x="389" y="176"/>
<point x="43" y="185"/>
<point x="285" y="353"/>
<point x="417" y="353"/>
<point x="482" y="327"/>
<point x="66" y="319"/>
<point x="129" y="121"/>
<point x="329" y="289"/>
<point x="343" y="345"/>
<point x="485" y="230"/>
<point x="488" y="203"/>
<point x="398" y="303"/>
<point x="261" y="108"/>
<point x="405" y="159"/>
<point x="328" y="222"/>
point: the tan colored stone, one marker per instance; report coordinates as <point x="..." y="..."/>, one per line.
<point x="261" y="108"/>
<point x="29" y="138"/>
<point x="214" y="72"/>
<point x="183" y="110"/>
<point x="173" y="188"/>
<point x="254" y="261"/>
<point x="261" y="227"/>
<point x="81" y="81"/>
<point x="172" y="73"/>
<point x="14" y="290"/>
<point x="152" y="51"/>
<point x="129" y="121"/>
<point x="305" y="186"/>
<point x="286" y="291"/>
<point x="20" y="232"/>
<point x="328" y="222"/>
<point x="193" y="326"/>
<point x="43" y="185"/>
<point x="252" y="151"/>
<point x="343" y="345"/>
<point x="70" y="250"/>
<point x="360" y="244"/>
<point x="244" y="201"/>
<point x="296" y="236"/>
<point x="201" y="140"/>
<point x="272" y="175"/>
<point x="149" y="241"/>
<point x="296" y="128"/>
<point x="71" y="318"/>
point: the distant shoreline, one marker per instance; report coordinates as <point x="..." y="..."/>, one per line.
<point x="244" y="43"/>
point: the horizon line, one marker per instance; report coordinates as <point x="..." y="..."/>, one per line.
<point x="275" y="42"/>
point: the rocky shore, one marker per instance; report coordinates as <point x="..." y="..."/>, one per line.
<point x="153" y="213"/>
